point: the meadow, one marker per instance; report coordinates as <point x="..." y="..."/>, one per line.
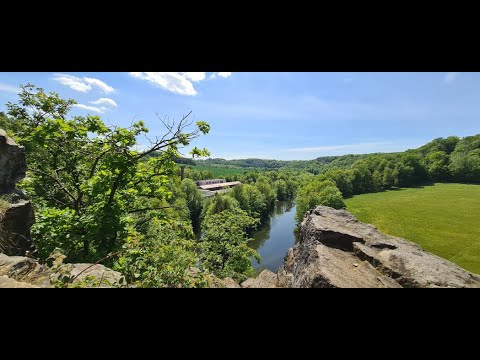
<point x="219" y="171"/>
<point x="443" y="218"/>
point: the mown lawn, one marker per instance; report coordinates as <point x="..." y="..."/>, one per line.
<point x="218" y="171"/>
<point x="444" y="219"/>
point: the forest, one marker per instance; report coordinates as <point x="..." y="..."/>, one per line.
<point x="98" y="198"/>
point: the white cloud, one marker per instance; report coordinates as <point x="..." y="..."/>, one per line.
<point x="100" y="110"/>
<point x="365" y="147"/>
<point x="171" y="81"/>
<point x="72" y="82"/>
<point x="82" y="84"/>
<point x="9" y="88"/>
<point x="104" y="101"/>
<point x="100" y="84"/>
<point x="195" y="76"/>
<point x="450" y="77"/>
<point x="177" y="82"/>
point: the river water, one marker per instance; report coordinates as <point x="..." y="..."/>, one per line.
<point x="275" y="237"/>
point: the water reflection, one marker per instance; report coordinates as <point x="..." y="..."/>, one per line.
<point x="275" y="237"/>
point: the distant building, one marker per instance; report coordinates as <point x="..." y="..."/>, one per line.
<point x="211" y="187"/>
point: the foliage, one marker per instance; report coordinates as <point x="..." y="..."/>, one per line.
<point x="194" y="200"/>
<point x="224" y="247"/>
<point x="92" y="190"/>
<point x="164" y="257"/>
<point x="318" y="192"/>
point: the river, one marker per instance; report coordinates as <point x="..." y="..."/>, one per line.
<point x="275" y="236"/>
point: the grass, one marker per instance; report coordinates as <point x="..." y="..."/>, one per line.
<point x="443" y="218"/>
<point x="218" y="171"/>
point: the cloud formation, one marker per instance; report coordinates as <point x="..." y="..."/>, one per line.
<point x="450" y="77"/>
<point x="104" y="101"/>
<point x="177" y="82"/>
<point x="84" y="84"/>
<point x="100" y="110"/>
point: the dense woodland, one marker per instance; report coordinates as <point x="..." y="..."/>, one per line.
<point x="98" y="199"/>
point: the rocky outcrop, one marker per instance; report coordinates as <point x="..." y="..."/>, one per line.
<point x="21" y="271"/>
<point x="216" y="282"/>
<point x="266" y="279"/>
<point x="336" y="250"/>
<point x="16" y="211"/>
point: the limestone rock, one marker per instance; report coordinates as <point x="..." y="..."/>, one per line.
<point x="13" y="166"/>
<point x="336" y="250"/>
<point x="6" y="282"/>
<point x="215" y="282"/>
<point x="266" y="279"/>
<point x="106" y="276"/>
<point x="25" y="269"/>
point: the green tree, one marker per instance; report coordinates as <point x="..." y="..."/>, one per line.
<point x="317" y="193"/>
<point x="388" y="179"/>
<point x="281" y="189"/>
<point x="194" y="200"/>
<point x="218" y="203"/>
<point x="88" y="182"/>
<point x="164" y="257"/>
<point x="250" y="199"/>
<point x="377" y="180"/>
<point x="224" y="246"/>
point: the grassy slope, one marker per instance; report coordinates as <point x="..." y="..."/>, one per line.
<point x="218" y="171"/>
<point x="444" y="219"/>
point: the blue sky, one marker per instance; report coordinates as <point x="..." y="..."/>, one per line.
<point x="278" y="115"/>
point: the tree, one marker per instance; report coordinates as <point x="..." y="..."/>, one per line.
<point x="92" y="189"/>
<point x="281" y="189"/>
<point x="377" y="180"/>
<point x="250" y="199"/>
<point x="218" y="203"/>
<point x="437" y="165"/>
<point x="224" y="246"/>
<point x="194" y="200"/>
<point x="318" y="193"/>
<point x="164" y="257"/>
<point x="388" y="179"/>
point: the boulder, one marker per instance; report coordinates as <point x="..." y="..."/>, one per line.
<point x="336" y="250"/>
<point x="16" y="213"/>
<point x="13" y="165"/>
<point x="24" y="269"/>
<point x="266" y="279"/>
<point x="105" y="276"/>
<point x="215" y="282"/>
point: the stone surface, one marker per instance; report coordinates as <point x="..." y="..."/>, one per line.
<point x="25" y="269"/>
<point x="6" y="282"/>
<point x="266" y="279"/>
<point x="16" y="222"/>
<point x="336" y="250"/>
<point x="215" y="282"/>
<point x="17" y="217"/>
<point x="13" y="165"/>
<point x="106" y="276"/>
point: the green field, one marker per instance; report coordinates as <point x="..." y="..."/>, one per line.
<point x="444" y="219"/>
<point x="218" y="171"/>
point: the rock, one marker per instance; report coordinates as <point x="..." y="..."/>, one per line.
<point x="105" y="276"/>
<point x="15" y="225"/>
<point x="215" y="282"/>
<point x="21" y="271"/>
<point x="266" y="279"/>
<point x="6" y="282"/>
<point x="25" y="269"/>
<point x="16" y="217"/>
<point x="336" y="250"/>
<point x="13" y="166"/>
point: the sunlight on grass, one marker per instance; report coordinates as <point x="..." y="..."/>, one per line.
<point x="443" y="219"/>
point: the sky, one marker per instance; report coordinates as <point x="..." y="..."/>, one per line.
<point x="271" y="115"/>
